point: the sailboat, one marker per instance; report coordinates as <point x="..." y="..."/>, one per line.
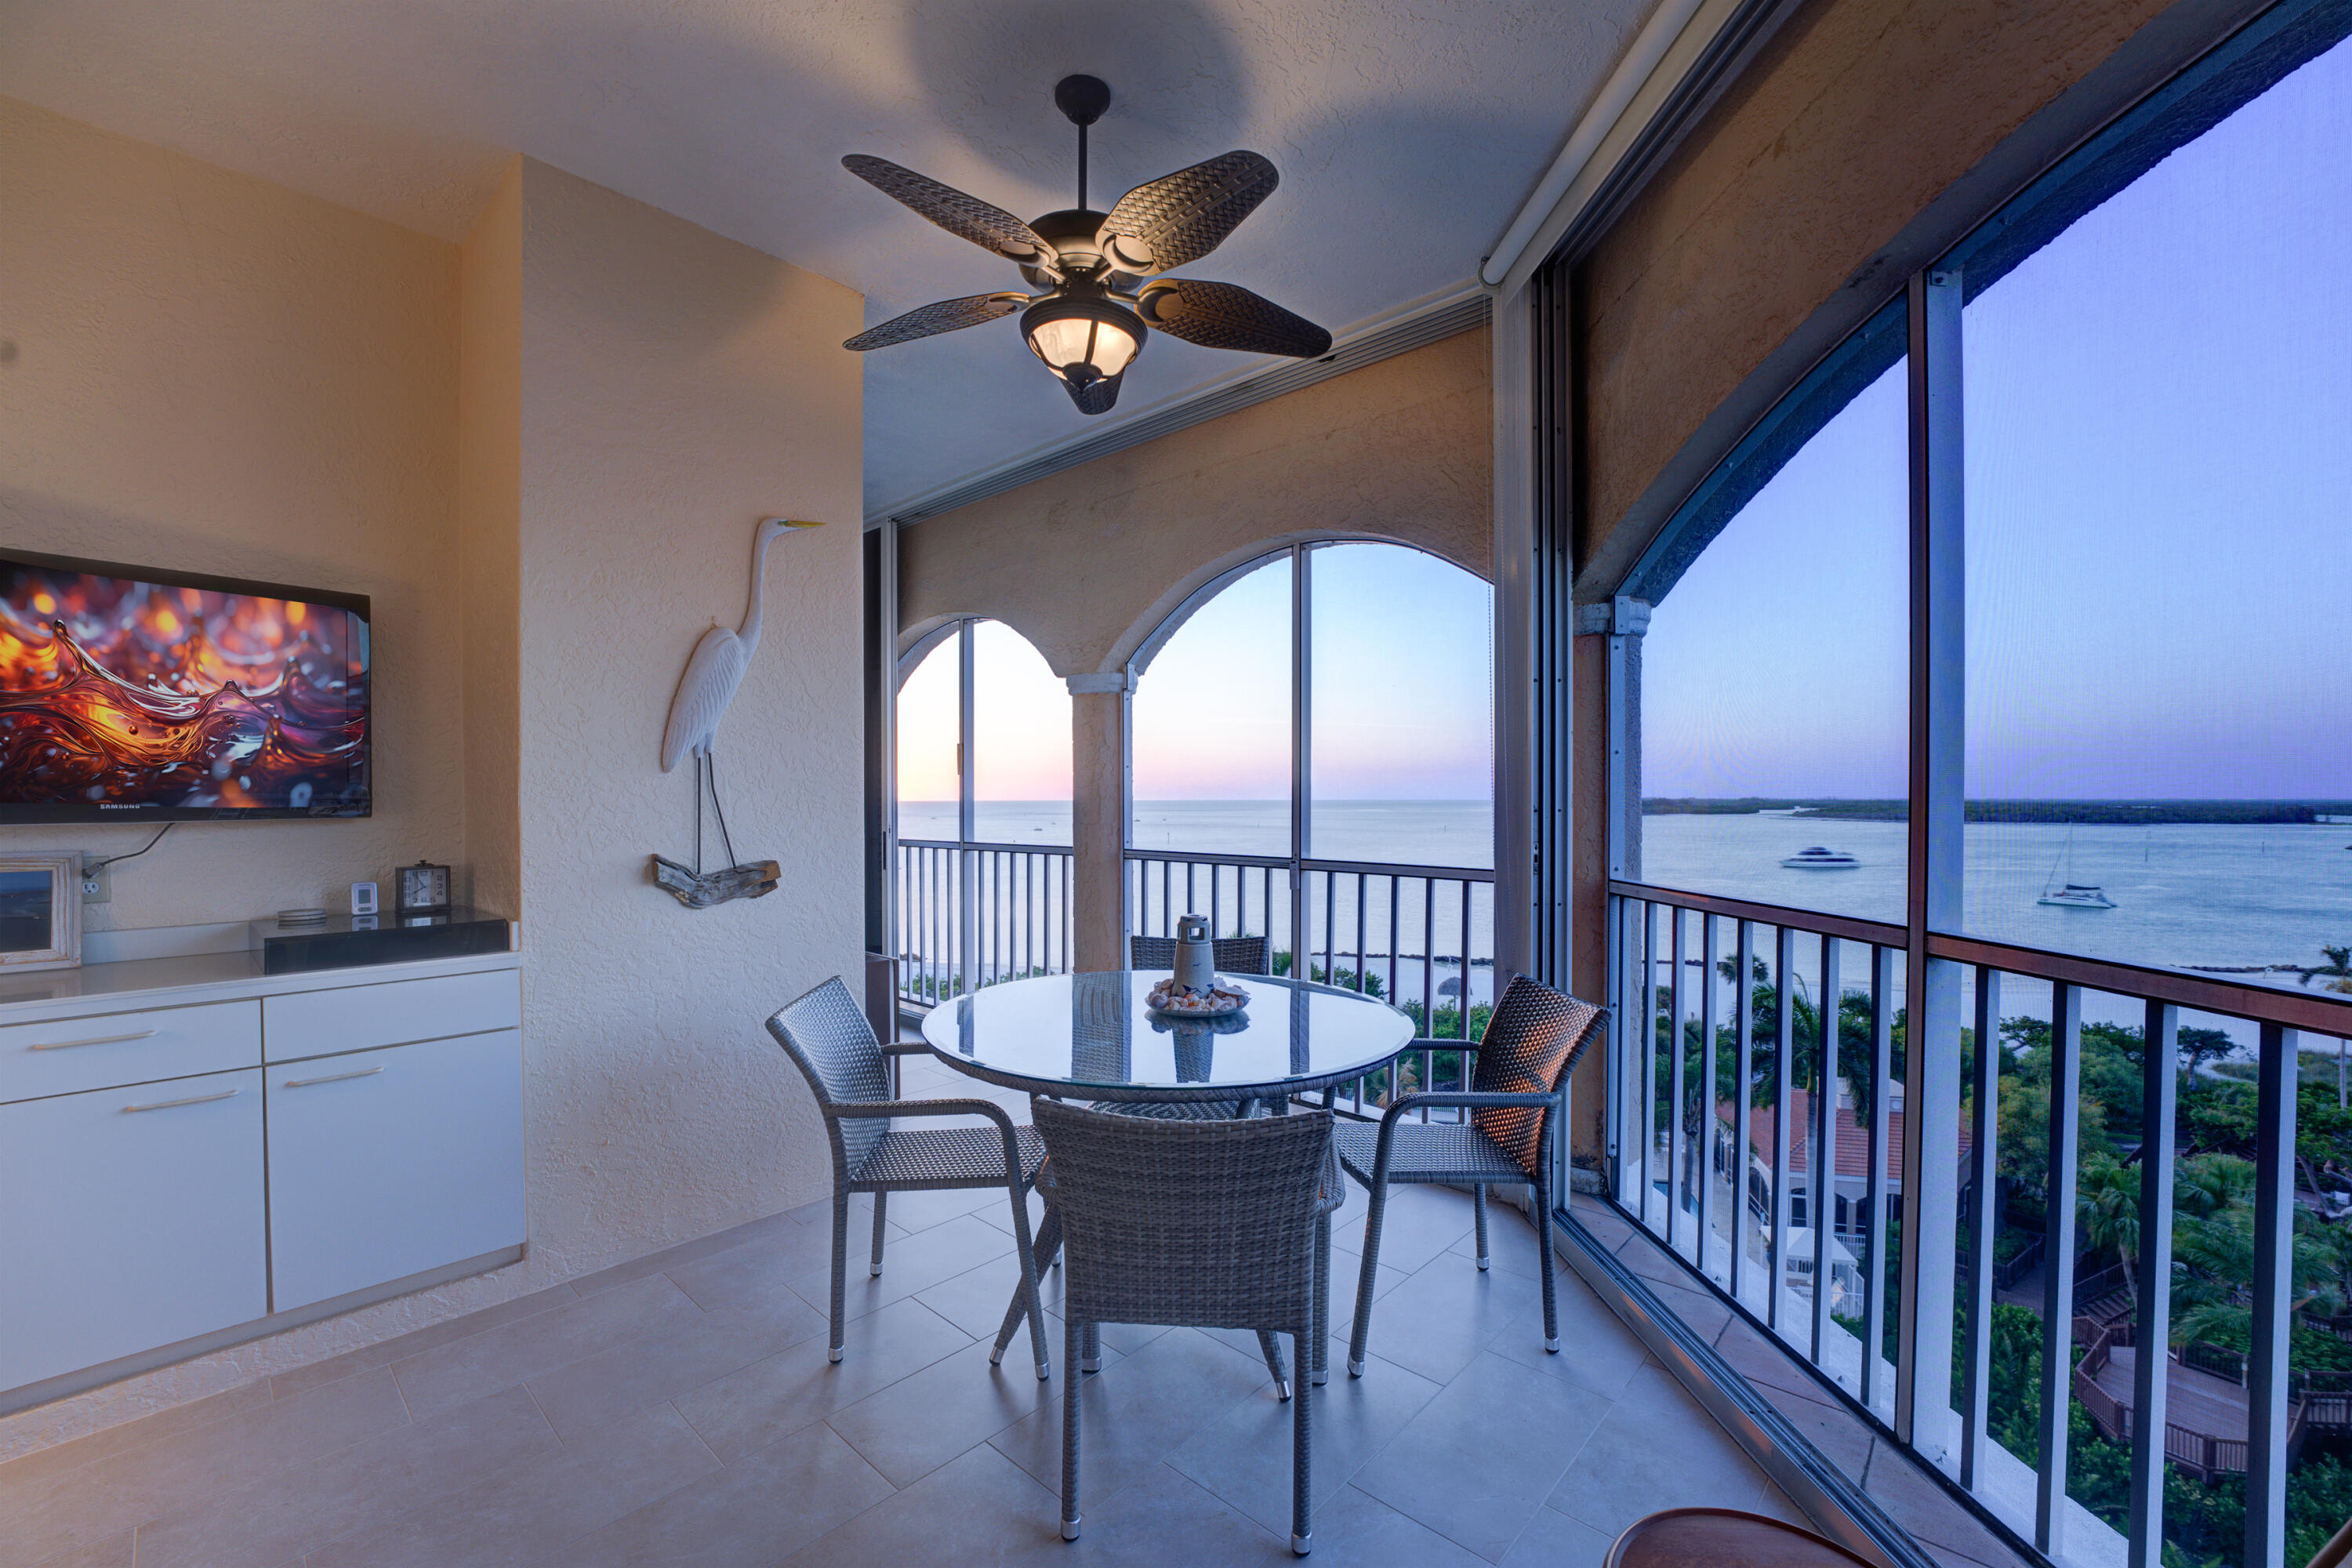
<point x="2068" y="894"/>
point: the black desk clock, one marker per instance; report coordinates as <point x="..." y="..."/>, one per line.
<point x="424" y="890"/>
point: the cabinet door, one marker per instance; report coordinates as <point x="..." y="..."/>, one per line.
<point x="385" y="1163"/>
<point x="130" y="1219"/>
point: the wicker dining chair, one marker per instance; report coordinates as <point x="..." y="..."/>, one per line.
<point x="1190" y="1224"/>
<point x="1232" y="955"/>
<point x="1531" y="1043"/>
<point x="830" y="1041"/>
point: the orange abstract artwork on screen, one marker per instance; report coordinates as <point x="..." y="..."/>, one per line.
<point x="124" y="697"/>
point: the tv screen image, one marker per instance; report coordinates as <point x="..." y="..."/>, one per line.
<point x="131" y="694"/>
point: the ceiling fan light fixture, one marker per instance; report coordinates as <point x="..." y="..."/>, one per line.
<point x="1088" y="341"/>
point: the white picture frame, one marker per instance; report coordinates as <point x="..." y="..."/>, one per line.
<point x="40" y="890"/>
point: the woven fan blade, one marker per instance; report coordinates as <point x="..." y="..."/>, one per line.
<point x="968" y="217"/>
<point x="1181" y="217"/>
<point x="940" y="316"/>
<point x="1226" y="316"/>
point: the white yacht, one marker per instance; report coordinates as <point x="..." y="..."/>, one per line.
<point x="2062" y="892"/>
<point x="2076" y="896"/>
<point x="1818" y="859"/>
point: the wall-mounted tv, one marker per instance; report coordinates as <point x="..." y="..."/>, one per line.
<point x="134" y="695"/>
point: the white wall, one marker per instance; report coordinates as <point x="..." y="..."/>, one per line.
<point x="544" y="452"/>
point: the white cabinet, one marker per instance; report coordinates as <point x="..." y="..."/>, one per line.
<point x="385" y="1163"/>
<point x="355" y="1017"/>
<point x="130" y="1219"/>
<point x="69" y="1054"/>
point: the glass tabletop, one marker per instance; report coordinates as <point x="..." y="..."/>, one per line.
<point x="1091" y="1036"/>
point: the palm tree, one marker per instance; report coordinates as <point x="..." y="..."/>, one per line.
<point x="2338" y="967"/>
<point x="2107" y="1208"/>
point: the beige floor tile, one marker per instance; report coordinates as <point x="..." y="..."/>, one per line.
<point x="1552" y="1539"/>
<point x="1135" y="1413"/>
<point x="1477" y="1462"/>
<point x="1441" y="1320"/>
<point x="1356" y="1529"/>
<point x="980" y="1511"/>
<point x="1244" y="1456"/>
<point x="915" y="1263"/>
<point x="926" y="1419"/>
<point x="751" y="1514"/>
<point x="798" y="1386"/>
<point x="531" y="1507"/>
<point x="597" y="1390"/>
<point x="115" y="1551"/>
<point x="762" y="1271"/>
<point x="82" y="1506"/>
<point x="385" y="1352"/>
<point x="1637" y="1462"/>
<point x="460" y="1372"/>
<point x="356" y="1488"/>
<point x="21" y="1476"/>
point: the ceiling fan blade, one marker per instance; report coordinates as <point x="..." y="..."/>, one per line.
<point x="1227" y="316"/>
<point x="1183" y="217"/>
<point x="940" y="316"/>
<point x="968" y="217"/>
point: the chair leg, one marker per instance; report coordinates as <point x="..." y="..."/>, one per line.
<point x="881" y="1203"/>
<point x="1543" y="1248"/>
<point x="1269" y="1347"/>
<point x="1375" y="1209"/>
<point x="1048" y="1247"/>
<point x="1091" y="1360"/>
<point x="1479" y="1207"/>
<point x="1318" y="1362"/>
<point x="840" y="1263"/>
<point x="1302" y="1478"/>
<point x="1020" y="1244"/>
<point x="1073" y="1337"/>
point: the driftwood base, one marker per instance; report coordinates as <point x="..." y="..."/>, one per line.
<point x="753" y="879"/>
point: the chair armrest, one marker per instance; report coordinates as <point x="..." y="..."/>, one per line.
<point x="871" y="1110"/>
<point x="1461" y="1099"/>
<point x="907" y="1048"/>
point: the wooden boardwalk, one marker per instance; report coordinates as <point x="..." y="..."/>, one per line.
<point x="2213" y="1406"/>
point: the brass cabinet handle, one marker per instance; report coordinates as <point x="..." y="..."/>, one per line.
<point x="331" y="1077"/>
<point x="192" y="1100"/>
<point x="96" y="1040"/>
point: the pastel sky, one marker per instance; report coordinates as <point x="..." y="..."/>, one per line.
<point x="1402" y="695"/>
<point x="2159" y="412"/>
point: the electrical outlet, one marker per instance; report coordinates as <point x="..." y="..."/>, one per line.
<point x="97" y="883"/>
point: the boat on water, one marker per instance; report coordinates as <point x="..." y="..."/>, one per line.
<point x="1785" y="811"/>
<point x="1818" y="859"/>
<point x="2062" y="891"/>
<point x="2076" y="896"/>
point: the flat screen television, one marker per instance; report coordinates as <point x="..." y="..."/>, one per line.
<point x="128" y="694"/>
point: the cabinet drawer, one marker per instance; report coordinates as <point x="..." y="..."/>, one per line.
<point x="133" y="1219"/>
<point x="387" y="1162"/>
<point x="77" y="1054"/>
<point x="361" y="1017"/>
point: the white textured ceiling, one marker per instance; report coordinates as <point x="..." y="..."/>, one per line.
<point x="1407" y="133"/>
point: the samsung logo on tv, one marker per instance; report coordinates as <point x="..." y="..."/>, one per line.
<point x="123" y="806"/>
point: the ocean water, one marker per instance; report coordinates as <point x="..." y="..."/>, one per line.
<point x="2186" y="894"/>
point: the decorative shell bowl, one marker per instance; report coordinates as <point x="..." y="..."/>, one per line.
<point x="1220" y="1000"/>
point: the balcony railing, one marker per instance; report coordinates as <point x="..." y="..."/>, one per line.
<point x="972" y="914"/>
<point x="1418" y="937"/>
<point x="1729" y="1016"/>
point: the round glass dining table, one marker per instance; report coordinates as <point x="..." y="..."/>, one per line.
<point x="1092" y="1037"/>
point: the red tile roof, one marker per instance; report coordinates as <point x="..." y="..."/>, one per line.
<point x="1852" y="1137"/>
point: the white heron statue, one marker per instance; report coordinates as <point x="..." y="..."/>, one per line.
<point x="712" y="675"/>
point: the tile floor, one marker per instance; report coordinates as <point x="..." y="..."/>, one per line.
<point x="680" y="1409"/>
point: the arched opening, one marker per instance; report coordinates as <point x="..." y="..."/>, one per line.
<point x="983" y="811"/>
<point x="1311" y="759"/>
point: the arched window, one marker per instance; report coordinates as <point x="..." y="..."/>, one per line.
<point x="984" y="741"/>
<point x="1322" y="720"/>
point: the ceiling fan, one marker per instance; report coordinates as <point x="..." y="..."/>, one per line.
<point x="1091" y="322"/>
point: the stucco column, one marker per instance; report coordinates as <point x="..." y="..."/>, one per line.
<point x="1098" y="820"/>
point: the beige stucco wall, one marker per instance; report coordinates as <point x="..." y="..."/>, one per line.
<point x="1858" y="116"/>
<point x="209" y="373"/>
<point x="543" y="453"/>
<point x="677" y="387"/>
<point x="1085" y="563"/>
